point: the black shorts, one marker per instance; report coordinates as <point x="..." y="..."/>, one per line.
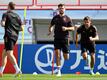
<point x="62" y="44"/>
<point x="9" y="43"/>
<point x="88" y="47"/>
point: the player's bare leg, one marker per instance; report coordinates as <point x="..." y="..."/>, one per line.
<point x="4" y="62"/>
<point x="57" y="53"/>
<point x="92" y="63"/>
<point x="66" y="56"/>
<point x="13" y="61"/>
<point x="84" y="55"/>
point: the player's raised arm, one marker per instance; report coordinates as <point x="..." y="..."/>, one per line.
<point x="68" y="28"/>
<point x="95" y="38"/>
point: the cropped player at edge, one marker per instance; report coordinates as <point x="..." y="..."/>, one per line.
<point x="89" y="35"/>
<point x="62" y="25"/>
<point x="12" y="25"/>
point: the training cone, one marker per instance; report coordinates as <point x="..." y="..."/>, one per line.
<point x="78" y="73"/>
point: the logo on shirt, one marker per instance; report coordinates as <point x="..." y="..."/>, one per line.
<point x="65" y="20"/>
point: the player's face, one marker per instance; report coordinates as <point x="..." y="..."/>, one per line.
<point x="61" y="9"/>
<point x="87" y="23"/>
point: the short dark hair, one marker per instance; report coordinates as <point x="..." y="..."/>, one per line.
<point x="11" y="5"/>
<point x="60" y="5"/>
<point x="87" y="18"/>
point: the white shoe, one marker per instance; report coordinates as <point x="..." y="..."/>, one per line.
<point x="59" y="73"/>
<point x="17" y="74"/>
<point x="92" y="73"/>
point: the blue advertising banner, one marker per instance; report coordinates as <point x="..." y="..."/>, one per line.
<point x="38" y="58"/>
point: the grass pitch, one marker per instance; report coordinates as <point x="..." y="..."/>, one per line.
<point x="53" y="77"/>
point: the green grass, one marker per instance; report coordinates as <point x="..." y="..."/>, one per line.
<point x="53" y="77"/>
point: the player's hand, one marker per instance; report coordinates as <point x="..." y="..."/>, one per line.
<point x="64" y="28"/>
<point x="91" y="38"/>
<point x="2" y="23"/>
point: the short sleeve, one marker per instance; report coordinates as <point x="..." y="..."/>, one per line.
<point x="94" y="33"/>
<point x="4" y="16"/>
<point x="53" y="21"/>
<point x="70" y="24"/>
<point x="79" y="30"/>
